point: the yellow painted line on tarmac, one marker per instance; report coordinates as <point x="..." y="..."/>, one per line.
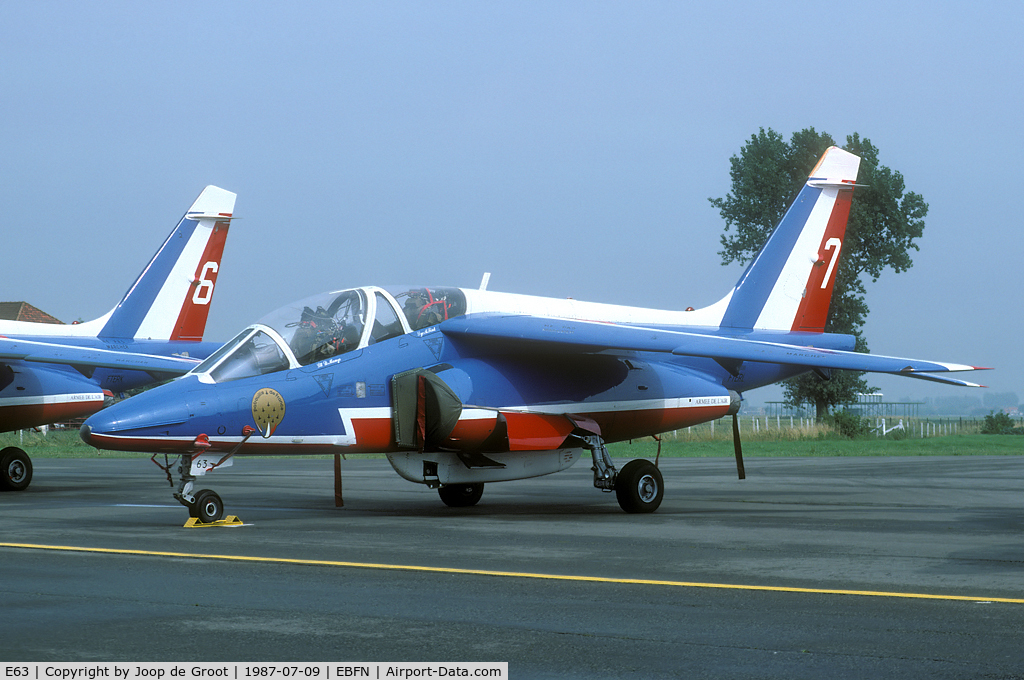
<point x="508" y="574"/>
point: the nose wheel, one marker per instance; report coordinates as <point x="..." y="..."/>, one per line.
<point x="207" y="507"/>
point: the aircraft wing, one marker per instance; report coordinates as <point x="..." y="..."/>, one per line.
<point x="86" y="357"/>
<point x="737" y="349"/>
<point x="595" y="336"/>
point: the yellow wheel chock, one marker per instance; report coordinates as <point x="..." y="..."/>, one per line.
<point x="229" y="521"/>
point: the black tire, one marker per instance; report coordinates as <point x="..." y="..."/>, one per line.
<point x="208" y="507"/>
<point x="15" y="469"/>
<point x="461" y="495"/>
<point x="639" y="487"/>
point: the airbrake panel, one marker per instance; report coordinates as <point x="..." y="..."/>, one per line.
<point x="424" y="409"/>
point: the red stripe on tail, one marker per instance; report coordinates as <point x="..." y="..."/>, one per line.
<point x="191" y="323"/>
<point x="813" y="310"/>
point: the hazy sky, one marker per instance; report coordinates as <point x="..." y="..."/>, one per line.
<point x="567" y="148"/>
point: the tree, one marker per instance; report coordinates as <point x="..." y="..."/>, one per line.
<point x="1000" y="423"/>
<point x="885" y="220"/>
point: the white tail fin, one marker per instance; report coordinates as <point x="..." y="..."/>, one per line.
<point x="171" y="298"/>
<point x="788" y="286"/>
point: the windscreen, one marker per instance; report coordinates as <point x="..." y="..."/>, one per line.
<point x="258" y="355"/>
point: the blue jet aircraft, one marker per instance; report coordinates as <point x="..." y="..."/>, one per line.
<point x="53" y="372"/>
<point x="461" y="387"/>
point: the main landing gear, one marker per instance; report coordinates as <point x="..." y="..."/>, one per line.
<point x="15" y="469"/>
<point x="638" y="487"/>
<point x="461" y="495"/>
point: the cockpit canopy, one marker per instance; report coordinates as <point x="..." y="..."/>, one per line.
<point x="324" y="326"/>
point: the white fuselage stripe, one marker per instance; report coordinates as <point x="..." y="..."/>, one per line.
<point x="163" y="314"/>
<point x="44" y="399"/>
<point x="349" y="415"/>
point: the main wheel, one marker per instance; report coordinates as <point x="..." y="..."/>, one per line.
<point x="461" y="495"/>
<point x="208" y="507"/>
<point x="15" y="469"/>
<point x="639" y="486"/>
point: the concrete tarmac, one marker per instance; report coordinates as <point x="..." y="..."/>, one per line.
<point x="811" y="567"/>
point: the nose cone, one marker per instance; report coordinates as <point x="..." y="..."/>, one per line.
<point x="139" y="423"/>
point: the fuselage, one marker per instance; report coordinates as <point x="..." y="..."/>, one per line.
<point x="319" y="376"/>
<point x="35" y="393"/>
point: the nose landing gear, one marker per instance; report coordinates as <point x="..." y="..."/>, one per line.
<point x="205" y="506"/>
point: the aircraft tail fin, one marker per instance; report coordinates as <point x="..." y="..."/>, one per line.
<point x="170" y="300"/>
<point x="788" y="285"/>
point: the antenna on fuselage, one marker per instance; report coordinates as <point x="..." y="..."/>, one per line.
<point x="483" y="281"/>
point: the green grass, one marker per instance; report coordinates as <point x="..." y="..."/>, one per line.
<point x="66" y="444"/>
<point x="58" y="444"/>
<point x="951" y="445"/>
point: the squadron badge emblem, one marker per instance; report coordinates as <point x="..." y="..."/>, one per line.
<point x="267" y="410"/>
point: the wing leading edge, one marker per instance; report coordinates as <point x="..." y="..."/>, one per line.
<point x="593" y="336"/>
<point x="70" y="355"/>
